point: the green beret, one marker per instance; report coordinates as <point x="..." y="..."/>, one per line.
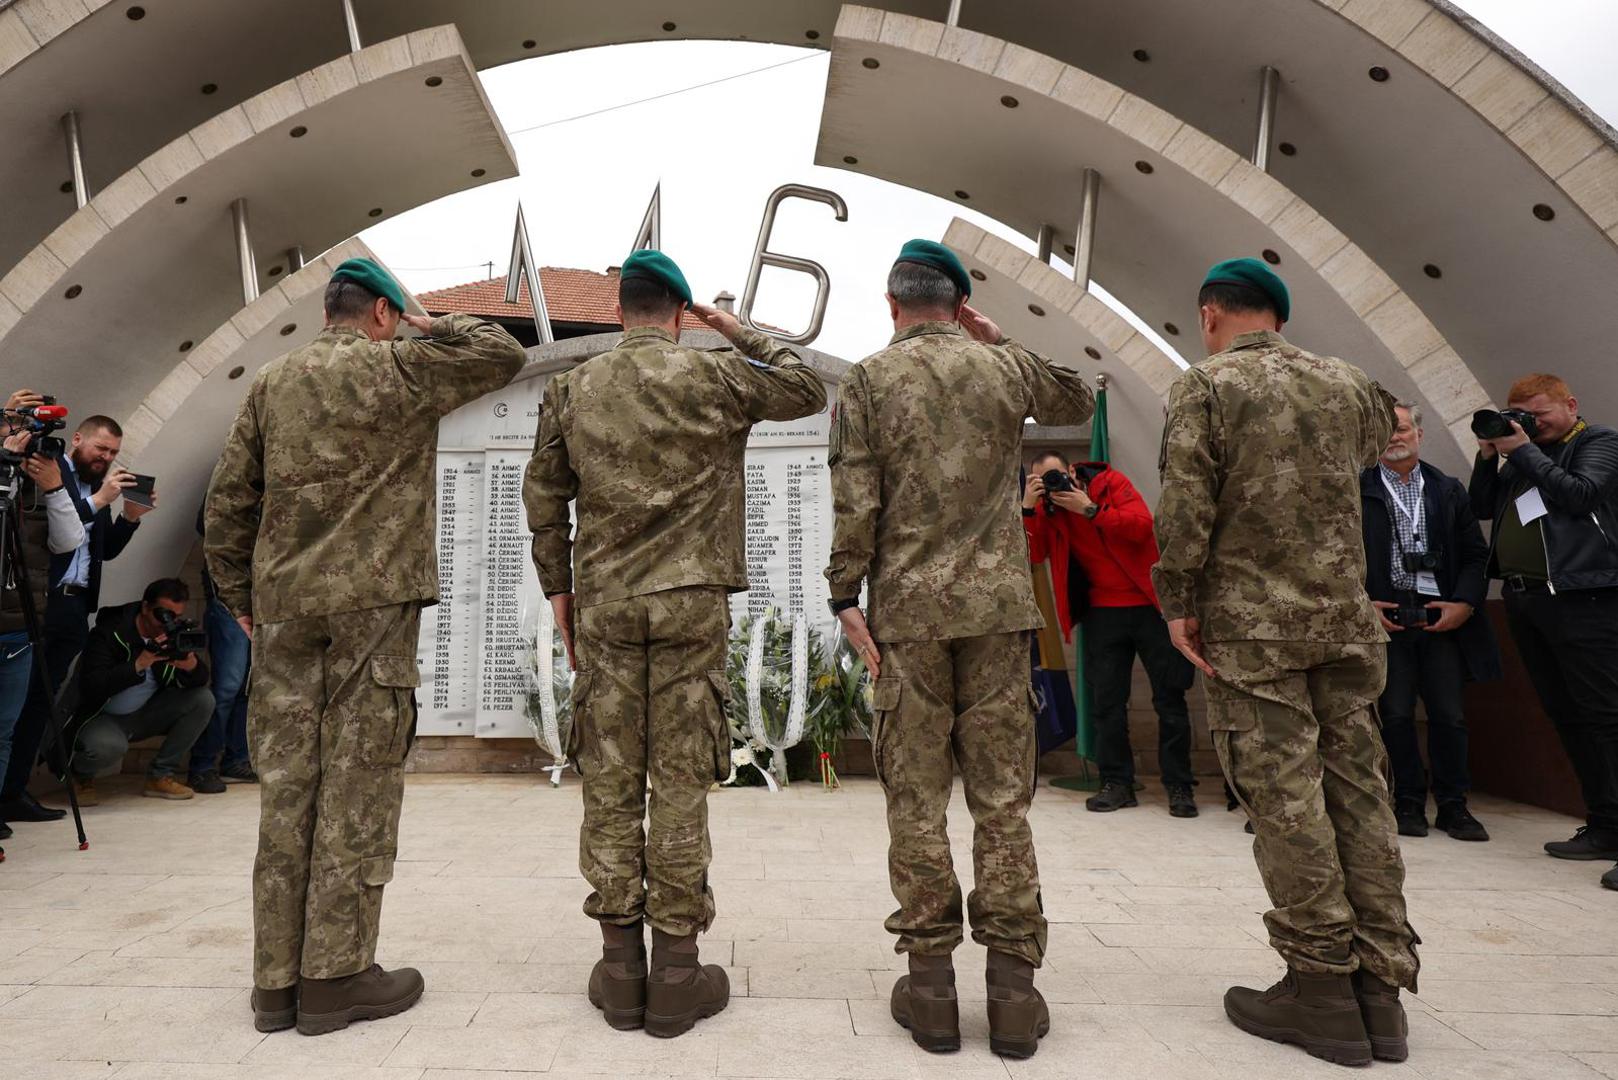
<point x="1255" y="275"/>
<point x="653" y="264"/>
<point x="369" y="275"/>
<point x="939" y="257"/>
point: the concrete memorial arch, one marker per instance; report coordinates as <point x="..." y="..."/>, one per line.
<point x="1422" y="185"/>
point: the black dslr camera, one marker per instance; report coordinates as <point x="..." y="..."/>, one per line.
<point x="183" y="635"/>
<point x="1416" y="562"/>
<point x="1055" y="480"/>
<point x="1493" y="424"/>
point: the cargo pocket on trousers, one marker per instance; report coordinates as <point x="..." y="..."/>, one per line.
<point x="399" y="675"/>
<point x="1227" y="719"/>
<point x="578" y="709"/>
<point x="719" y="722"/>
<point x="376" y="870"/>
<point x="884" y="704"/>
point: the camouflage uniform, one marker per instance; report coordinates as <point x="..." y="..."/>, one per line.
<point x="650" y="439"/>
<point x="1259" y="526"/>
<point x="924" y="460"/>
<point x="320" y="525"/>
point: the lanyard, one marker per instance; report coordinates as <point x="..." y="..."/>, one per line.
<point x="1413" y="518"/>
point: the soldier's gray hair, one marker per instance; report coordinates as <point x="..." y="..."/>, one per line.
<point x="346" y="300"/>
<point x="1413" y="409"/>
<point x="917" y="287"/>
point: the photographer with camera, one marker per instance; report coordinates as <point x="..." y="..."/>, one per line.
<point x="141" y="676"/>
<point x="1095" y="529"/>
<point x="46" y="524"/>
<point x="1549" y="482"/>
<point x="93" y="484"/>
<point x="1425" y="561"/>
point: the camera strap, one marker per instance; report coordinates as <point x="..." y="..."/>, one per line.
<point x="1426" y="580"/>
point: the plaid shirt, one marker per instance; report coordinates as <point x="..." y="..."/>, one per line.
<point x="1409" y="522"/>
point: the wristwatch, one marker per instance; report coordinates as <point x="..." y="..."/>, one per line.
<point x="1091" y="511"/>
<point x="842" y="605"/>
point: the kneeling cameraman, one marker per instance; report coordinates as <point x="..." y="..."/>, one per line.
<point x="140" y="676"/>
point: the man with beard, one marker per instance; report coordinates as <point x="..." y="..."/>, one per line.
<point x="94" y="483"/>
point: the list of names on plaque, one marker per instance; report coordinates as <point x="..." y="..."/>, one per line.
<point x="505" y="553"/>
<point x="449" y="629"/>
<point x="788" y="533"/>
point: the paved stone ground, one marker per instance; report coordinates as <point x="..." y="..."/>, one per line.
<point x="131" y="959"/>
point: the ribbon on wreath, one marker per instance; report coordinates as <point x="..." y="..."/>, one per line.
<point x="796" y="708"/>
<point x="550" y="725"/>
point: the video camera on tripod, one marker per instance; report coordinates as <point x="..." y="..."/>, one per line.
<point x="39" y="421"/>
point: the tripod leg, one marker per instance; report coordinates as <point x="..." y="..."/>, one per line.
<point x="11" y="555"/>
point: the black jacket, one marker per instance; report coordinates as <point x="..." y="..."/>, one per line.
<point x="1578" y="481"/>
<point x="108" y="538"/>
<point x="107" y="664"/>
<point x="1456" y="538"/>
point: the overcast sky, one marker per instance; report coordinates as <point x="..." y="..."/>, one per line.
<point x="719" y="150"/>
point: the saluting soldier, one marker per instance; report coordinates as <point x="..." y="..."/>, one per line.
<point x="924" y="458"/>
<point x="320" y="541"/>
<point x="649" y="437"/>
<point x="1262" y="579"/>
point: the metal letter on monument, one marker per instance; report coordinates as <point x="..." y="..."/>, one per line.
<point x="522" y="262"/>
<point x="651" y="226"/>
<point x="763" y="257"/>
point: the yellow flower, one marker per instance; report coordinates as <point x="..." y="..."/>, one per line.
<point x="823" y="682"/>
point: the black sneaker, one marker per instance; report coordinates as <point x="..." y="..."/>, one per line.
<point x="1412" y="819"/>
<point x="1114" y="795"/>
<point x="238" y="774"/>
<point x="1610" y="878"/>
<point x="206" y="783"/>
<point x="1587" y="844"/>
<point x="1458" y="821"/>
<point x="1181" y="802"/>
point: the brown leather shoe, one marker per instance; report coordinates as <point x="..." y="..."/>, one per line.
<point x="1316" y="1012"/>
<point x="274" y="1010"/>
<point x="680" y="989"/>
<point x="925" y="1004"/>
<point x="327" y="1005"/>
<point x="164" y="787"/>
<point x="1384" y="1016"/>
<point x="1018" y="1015"/>
<point x="618" y="981"/>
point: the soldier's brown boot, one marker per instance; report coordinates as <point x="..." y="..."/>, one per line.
<point x="618" y="981"/>
<point x="680" y="989"/>
<point x="327" y="1005"/>
<point x="924" y="1003"/>
<point x="274" y="1010"/>
<point x="1018" y="1015"/>
<point x="1384" y="1016"/>
<point x="1316" y="1012"/>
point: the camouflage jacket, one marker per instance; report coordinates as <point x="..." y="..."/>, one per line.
<point x="924" y="461"/>
<point x="1259" y="522"/>
<point x="324" y="499"/>
<point x="649" y="437"/>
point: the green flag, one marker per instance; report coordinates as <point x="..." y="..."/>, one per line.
<point x="1086" y="740"/>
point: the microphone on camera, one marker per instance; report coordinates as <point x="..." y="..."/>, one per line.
<point x="46" y="412"/>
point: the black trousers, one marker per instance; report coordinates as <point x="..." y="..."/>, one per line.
<point x="67" y="628"/>
<point x="1428" y="666"/>
<point x="1113" y="637"/>
<point x="1569" y="644"/>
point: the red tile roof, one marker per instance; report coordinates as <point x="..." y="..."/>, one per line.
<point x="571" y="296"/>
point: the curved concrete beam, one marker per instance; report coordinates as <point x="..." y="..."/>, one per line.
<point x="174" y="432"/>
<point x="1173" y="201"/>
<point x="115" y="295"/>
<point x="1040" y="307"/>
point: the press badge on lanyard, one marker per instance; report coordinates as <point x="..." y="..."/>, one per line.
<point x="1426" y="580"/>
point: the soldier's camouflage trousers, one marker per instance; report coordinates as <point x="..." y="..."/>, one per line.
<point x="1295" y="728"/>
<point x="648" y="705"/>
<point x="963" y="703"/>
<point x="331" y="717"/>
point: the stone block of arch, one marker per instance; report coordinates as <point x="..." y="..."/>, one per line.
<point x="104" y="307"/>
<point x="1022" y="128"/>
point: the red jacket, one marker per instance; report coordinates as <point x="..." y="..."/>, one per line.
<point x="1120" y="533"/>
